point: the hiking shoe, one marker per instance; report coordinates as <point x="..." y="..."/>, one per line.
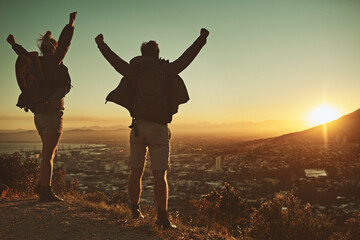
<point x="165" y="224"/>
<point x="47" y="195"/>
<point x="163" y="221"/>
<point x="135" y="211"/>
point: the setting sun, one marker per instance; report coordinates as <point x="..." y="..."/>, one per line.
<point x="323" y="114"/>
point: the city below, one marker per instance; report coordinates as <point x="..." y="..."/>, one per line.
<point x="325" y="175"/>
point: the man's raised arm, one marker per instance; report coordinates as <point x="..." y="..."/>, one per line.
<point x="188" y="56"/>
<point x="119" y="64"/>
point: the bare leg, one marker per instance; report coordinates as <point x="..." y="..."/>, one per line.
<point x="134" y="185"/>
<point x="50" y="142"/>
<point x="161" y="189"/>
<point x="161" y="192"/>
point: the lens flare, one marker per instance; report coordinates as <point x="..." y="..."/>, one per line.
<point x="323" y="114"/>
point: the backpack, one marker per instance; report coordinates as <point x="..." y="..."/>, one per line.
<point x="35" y="87"/>
<point x="64" y="77"/>
<point x="150" y="90"/>
<point x="29" y="77"/>
<point x="131" y="93"/>
<point x="57" y="79"/>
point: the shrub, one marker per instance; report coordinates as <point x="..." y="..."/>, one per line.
<point x="21" y="176"/>
<point x="353" y="225"/>
<point x="96" y="197"/>
<point x="58" y="182"/>
<point x="225" y="207"/>
<point x="282" y="217"/>
<point x="340" y="236"/>
<point x="61" y="186"/>
<point x="72" y="186"/>
<point x="119" y="197"/>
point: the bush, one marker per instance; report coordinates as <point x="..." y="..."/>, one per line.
<point x="58" y="182"/>
<point x="225" y="207"/>
<point x="96" y="197"/>
<point x="340" y="236"/>
<point x="119" y="198"/>
<point x="21" y="176"/>
<point x="72" y="186"/>
<point x="353" y="225"/>
<point x="62" y="187"/>
<point x="282" y="217"/>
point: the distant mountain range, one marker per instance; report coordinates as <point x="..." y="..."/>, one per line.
<point x="83" y="135"/>
<point x="96" y="134"/>
<point x="345" y="128"/>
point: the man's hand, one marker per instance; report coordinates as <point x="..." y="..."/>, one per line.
<point x="10" y="39"/>
<point x="204" y="32"/>
<point x="99" y="38"/>
<point x="72" y="18"/>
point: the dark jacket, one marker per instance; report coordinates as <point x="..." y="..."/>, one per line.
<point x="54" y="71"/>
<point x="177" y="92"/>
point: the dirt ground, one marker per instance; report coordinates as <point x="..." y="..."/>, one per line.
<point x="31" y="219"/>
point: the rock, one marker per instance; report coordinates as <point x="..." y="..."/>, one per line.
<point x="3" y="190"/>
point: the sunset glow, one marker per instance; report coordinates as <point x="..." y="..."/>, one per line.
<point x="323" y="114"/>
<point x="264" y="68"/>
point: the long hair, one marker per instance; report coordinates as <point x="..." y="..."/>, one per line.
<point x="47" y="44"/>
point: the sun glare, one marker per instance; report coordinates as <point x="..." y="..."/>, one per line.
<point x="323" y="114"/>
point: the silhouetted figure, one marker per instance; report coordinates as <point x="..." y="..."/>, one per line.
<point x="151" y="90"/>
<point x="47" y="108"/>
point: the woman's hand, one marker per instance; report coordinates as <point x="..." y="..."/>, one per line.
<point x="10" y="39"/>
<point x="204" y="32"/>
<point x="99" y="38"/>
<point x="72" y="18"/>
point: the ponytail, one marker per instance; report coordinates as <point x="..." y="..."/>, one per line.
<point x="47" y="44"/>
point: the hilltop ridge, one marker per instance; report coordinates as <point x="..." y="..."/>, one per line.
<point x="345" y="128"/>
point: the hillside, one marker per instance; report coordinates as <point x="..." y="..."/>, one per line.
<point x="345" y="128"/>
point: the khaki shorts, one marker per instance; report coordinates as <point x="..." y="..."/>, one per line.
<point x="154" y="137"/>
<point x="49" y="122"/>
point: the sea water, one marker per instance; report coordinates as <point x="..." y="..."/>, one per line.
<point x="9" y="148"/>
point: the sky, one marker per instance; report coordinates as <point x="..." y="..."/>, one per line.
<point x="264" y="60"/>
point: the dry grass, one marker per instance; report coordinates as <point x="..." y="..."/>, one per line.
<point x="119" y="210"/>
<point x="122" y="211"/>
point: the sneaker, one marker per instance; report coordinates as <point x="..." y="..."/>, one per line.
<point x="47" y="195"/>
<point x="163" y="221"/>
<point x="135" y="211"/>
